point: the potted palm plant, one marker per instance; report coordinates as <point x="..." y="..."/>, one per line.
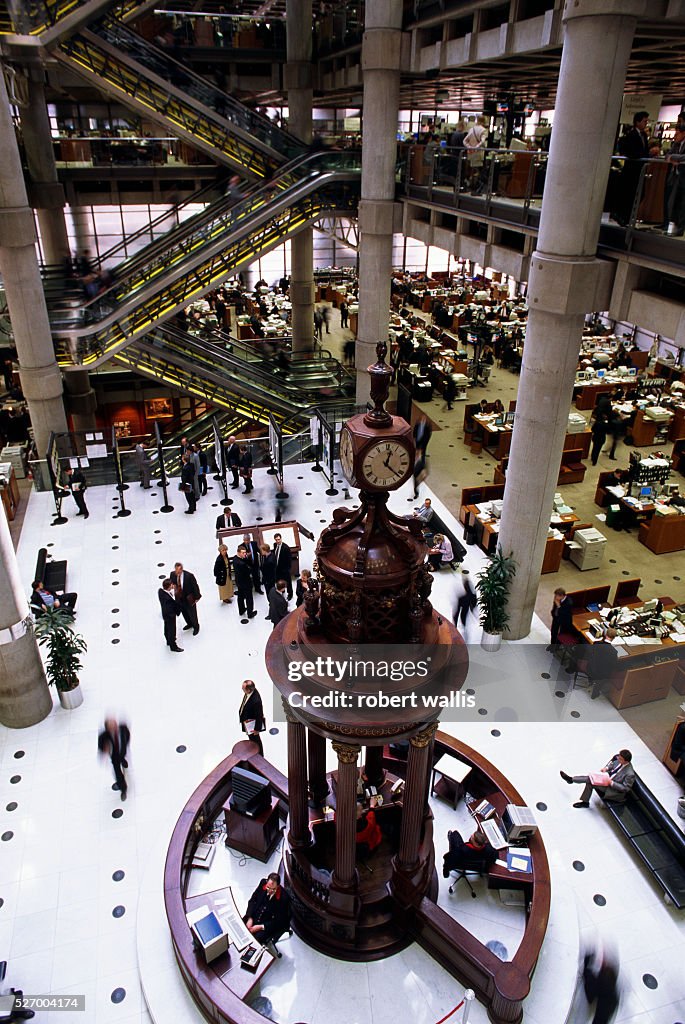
<point x="493" y="583"/>
<point x="54" y="630"/>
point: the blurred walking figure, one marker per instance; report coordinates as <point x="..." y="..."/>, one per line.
<point x="144" y="463"/>
<point x="600" y="981"/>
<point x="113" y="742"/>
<point x="468" y="602"/>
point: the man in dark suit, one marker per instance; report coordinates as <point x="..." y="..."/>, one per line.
<point x="278" y="605"/>
<point x="246" y="467"/>
<point x="113" y="742"/>
<point x="188" y="593"/>
<point x="233" y="460"/>
<point x="562" y="615"/>
<point x="188" y="483"/>
<point x="76" y="483"/>
<point x="284" y="560"/>
<point x="268" y="912"/>
<point x="43" y="597"/>
<point x="171" y="608"/>
<point x="613" y="783"/>
<point x="251" y="713"/>
<point x="242" y="572"/>
<point x="254" y="557"/>
<point x="422" y="435"/>
<point x="228" y="520"/>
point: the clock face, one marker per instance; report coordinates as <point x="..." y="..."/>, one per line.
<point x="386" y="464"/>
<point x="346" y="454"/>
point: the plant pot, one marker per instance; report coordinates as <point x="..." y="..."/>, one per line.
<point x="71" y="699"/>
<point x="491" y="641"/>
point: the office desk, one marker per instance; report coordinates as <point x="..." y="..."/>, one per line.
<point x="662" y="534"/>
<point x="644" y="673"/>
<point x="587" y="394"/>
<point x="486" y="533"/>
<point x="497" y="439"/>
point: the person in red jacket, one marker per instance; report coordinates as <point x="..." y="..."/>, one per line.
<point x="369" y="834"/>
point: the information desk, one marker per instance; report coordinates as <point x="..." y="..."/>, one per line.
<point x="227" y="966"/>
<point x="645" y="670"/>
<point x="256" y="837"/>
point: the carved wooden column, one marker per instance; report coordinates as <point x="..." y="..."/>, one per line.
<point x="344" y="874"/>
<point x="373" y="768"/>
<point x="414" y="799"/>
<point x="298" y="835"/>
<point x="316" y="758"/>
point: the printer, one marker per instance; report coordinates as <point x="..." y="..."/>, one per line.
<point x="587" y="549"/>
<point x="576" y="423"/>
<point x="658" y="414"/>
<point x="496" y="507"/>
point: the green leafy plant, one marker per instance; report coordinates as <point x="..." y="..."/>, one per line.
<point x="54" y="631"/>
<point x="493" y="583"/>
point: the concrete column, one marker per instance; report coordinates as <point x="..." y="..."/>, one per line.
<point x="298" y="834"/>
<point x="41" y="380"/>
<point x="345" y="873"/>
<point x="24" y="695"/>
<point x="565" y="278"/>
<point x="47" y="193"/>
<point x="298" y="84"/>
<point x="316" y="760"/>
<point x="80" y="399"/>
<point x="414" y="797"/>
<point x="381" y="76"/>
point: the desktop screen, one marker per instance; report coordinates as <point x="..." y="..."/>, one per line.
<point x="499" y="422"/>
<point x="600" y="373"/>
<point x="632" y="371"/>
<point x="645" y="492"/>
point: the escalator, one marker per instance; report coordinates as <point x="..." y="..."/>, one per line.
<point x="249" y="390"/>
<point x="51" y="19"/>
<point x="202" y="253"/>
<point x="150" y="81"/>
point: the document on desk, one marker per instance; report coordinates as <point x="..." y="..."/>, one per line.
<point x="519" y="859"/>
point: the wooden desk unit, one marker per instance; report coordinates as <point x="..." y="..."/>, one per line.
<point x="662" y="534"/>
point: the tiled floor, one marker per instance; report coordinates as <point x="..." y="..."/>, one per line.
<point x="62" y="845"/>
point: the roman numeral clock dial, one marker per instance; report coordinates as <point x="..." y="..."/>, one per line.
<point x="385" y="464"/>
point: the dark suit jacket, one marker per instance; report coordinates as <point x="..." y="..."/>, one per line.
<point x="562" y="618"/>
<point x="464" y="857"/>
<point x="170" y="606"/>
<point x="232" y="455"/>
<point x="221" y="570"/>
<point x="284" y="559"/>
<point x="621" y="782"/>
<point x="269" y="571"/>
<point x="188" y="475"/>
<point x="106" y="742"/>
<point x="242" y="573"/>
<point x="278" y="606"/>
<point x="191" y="591"/>
<point x="251" y="709"/>
<point x="273" y="912"/>
<point x="234" y="520"/>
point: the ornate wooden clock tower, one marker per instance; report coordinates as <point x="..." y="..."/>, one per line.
<point x="371" y="606"/>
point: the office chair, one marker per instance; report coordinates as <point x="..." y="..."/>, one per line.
<point x="271" y="944"/>
<point x="464" y="873"/>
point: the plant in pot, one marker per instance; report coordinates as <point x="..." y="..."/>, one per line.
<point x="493" y="583"/>
<point x="54" y="631"/>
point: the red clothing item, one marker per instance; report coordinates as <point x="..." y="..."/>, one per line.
<point x="371" y="833"/>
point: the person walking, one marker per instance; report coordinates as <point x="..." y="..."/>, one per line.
<point x="171" y="609"/>
<point x="449" y="393"/>
<point x="187" y="484"/>
<point x="468" y="602"/>
<point x="327" y="317"/>
<point x="251" y="714"/>
<point x="318" y="325"/>
<point x="233" y="461"/>
<point x="197" y="466"/>
<point x="113" y="742"/>
<point x="76" y="483"/>
<point x="188" y="593"/>
<point x="222" y="575"/>
<point x="242" y="573"/>
<point x="344" y="310"/>
<point x="600" y="429"/>
<point x="278" y="604"/>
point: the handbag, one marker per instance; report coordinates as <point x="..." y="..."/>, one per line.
<point x="185" y="488"/>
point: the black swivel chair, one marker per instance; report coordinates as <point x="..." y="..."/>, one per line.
<point x="464" y="873"/>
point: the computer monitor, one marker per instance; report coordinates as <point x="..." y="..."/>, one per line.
<point x="499" y="420"/>
<point x="251" y="792"/>
<point x="518" y="822"/>
<point x="645" y="492"/>
<point x="510" y="417"/>
<point x="632" y="371"/>
<point x="600" y="373"/>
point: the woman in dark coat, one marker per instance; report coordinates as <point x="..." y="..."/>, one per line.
<point x="222" y="575"/>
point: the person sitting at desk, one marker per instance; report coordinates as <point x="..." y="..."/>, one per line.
<point x="613" y="783"/>
<point x="369" y="833"/>
<point x="474" y="855"/>
<point x="268" y="911"/>
<point x="675" y="498"/>
<point x="441" y="553"/>
<point x="498" y="407"/>
<point x="602" y="660"/>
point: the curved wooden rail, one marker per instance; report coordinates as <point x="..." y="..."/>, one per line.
<point x="501" y="986"/>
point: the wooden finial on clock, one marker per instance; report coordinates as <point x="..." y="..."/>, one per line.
<point x="380" y="374"/>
